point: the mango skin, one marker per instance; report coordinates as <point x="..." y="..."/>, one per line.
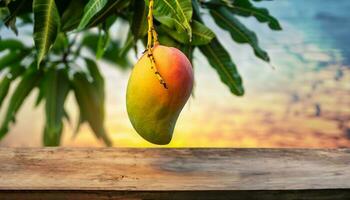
<point x="153" y="110"/>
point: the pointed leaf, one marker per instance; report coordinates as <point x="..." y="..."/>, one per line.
<point x="200" y="34"/>
<point x="16" y="8"/>
<point x="220" y="60"/>
<point x="72" y="15"/>
<point x="11" y="58"/>
<point x="238" y="31"/>
<point x="139" y="20"/>
<point x="246" y="8"/>
<point x="90" y="10"/>
<point x="108" y="11"/>
<point x="91" y="105"/>
<point x="56" y="91"/>
<point x="103" y="42"/>
<point x="97" y="77"/>
<point x="165" y="39"/>
<point x="30" y="79"/>
<point x="112" y="52"/>
<point x="8" y="78"/>
<point x="10" y="20"/>
<point x="46" y="26"/>
<point x="12" y="25"/>
<point x="11" y="44"/>
<point x="40" y="97"/>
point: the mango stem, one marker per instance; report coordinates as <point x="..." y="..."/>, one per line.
<point x="152" y="41"/>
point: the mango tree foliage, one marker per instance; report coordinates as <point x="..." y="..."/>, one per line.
<point x="57" y="62"/>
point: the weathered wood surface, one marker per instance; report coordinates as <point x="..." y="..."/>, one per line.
<point x="114" y="173"/>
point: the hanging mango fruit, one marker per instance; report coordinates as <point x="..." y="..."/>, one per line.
<point x="159" y="86"/>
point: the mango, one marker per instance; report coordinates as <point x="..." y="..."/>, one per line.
<point x="153" y="108"/>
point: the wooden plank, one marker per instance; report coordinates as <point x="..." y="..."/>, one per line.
<point x="173" y="169"/>
<point x="157" y="173"/>
<point x="178" y="195"/>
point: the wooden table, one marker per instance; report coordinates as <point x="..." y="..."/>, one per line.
<point x="132" y="173"/>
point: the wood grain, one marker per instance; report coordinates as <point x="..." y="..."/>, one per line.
<point x="178" y="195"/>
<point x="209" y="172"/>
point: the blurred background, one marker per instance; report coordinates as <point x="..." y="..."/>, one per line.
<point x="301" y="100"/>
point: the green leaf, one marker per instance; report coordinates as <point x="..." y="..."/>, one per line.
<point x="139" y="20"/>
<point x="15" y="8"/>
<point x="247" y="9"/>
<point x="196" y="10"/>
<point x="166" y="40"/>
<point x="26" y="18"/>
<point x="61" y="43"/>
<point x="12" y="57"/>
<point x="46" y="26"/>
<point x="220" y="60"/>
<point x="57" y="86"/>
<point x="108" y="11"/>
<point x="112" y="52"/>
<point x="12" y="25"/>
<point x="5" y="3"/>
<point x="97" y="77"/>
<point x="11" y="44"/>
<point x="91" y="105"/>
<point x="201" y="34"/>
<point x="4" y="12"/>
<point x="102" y="42"/>
<point x="174" y="14"/>
<point x="6" y="81"/>
<point x="40" y="97"/>
<point x="30" y="79"/>
<point x="238" y="31"/>
<point x="228" y="3"/>
<point x="72" y="15"/>
<point x="90" y="10"/>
